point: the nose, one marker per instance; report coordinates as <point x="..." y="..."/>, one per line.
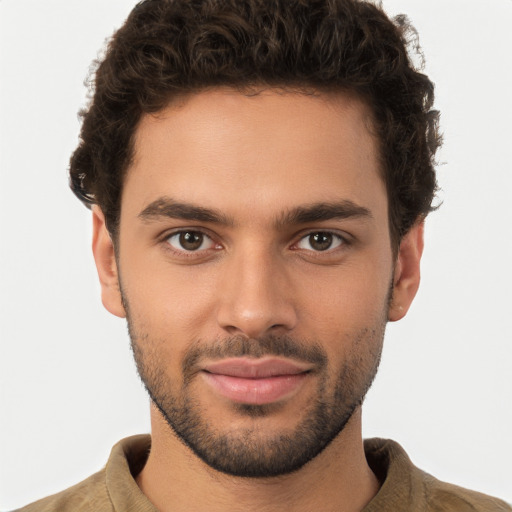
<point x="255" y="295"/>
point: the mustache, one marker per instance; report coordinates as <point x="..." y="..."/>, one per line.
<point x="241" y="346"/>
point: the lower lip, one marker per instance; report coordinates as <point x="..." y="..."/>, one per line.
<point x="255" y="391"/>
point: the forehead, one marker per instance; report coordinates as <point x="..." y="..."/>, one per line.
<point x="226" y="150"/>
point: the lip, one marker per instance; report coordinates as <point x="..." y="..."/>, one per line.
<point x="255" y="381"/>
<point x="248" y="368"/>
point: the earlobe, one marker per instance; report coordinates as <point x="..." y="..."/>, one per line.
<point x="106" y="265"/>
<point x="406" y="279"/>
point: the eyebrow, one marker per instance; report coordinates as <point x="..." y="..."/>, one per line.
<point x="319" y="212"/>
<point x="166" y="207"/>
<point x="169" y="208"/>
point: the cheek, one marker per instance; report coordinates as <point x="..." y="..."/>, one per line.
<point x="167" y="301"/>
<point x="347" y="296"/>
<point x="166" y="307"/>
<point x="348" y="314"/>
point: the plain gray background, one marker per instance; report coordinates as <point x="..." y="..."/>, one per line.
<point x="68" y="385"/>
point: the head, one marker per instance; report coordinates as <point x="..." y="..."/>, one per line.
<point x="168" y="49"/>
<point x="260" y="173"/>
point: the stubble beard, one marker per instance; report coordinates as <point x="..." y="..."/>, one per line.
<point x="251" y="452"/>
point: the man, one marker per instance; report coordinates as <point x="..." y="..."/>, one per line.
<point x="259" y="176"/>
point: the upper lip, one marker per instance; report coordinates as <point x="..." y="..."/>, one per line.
<point x="249" y="368"/>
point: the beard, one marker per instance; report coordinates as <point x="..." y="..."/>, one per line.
<point x="256" y="451"/>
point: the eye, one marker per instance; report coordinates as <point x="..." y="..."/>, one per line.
<point x="190" y="241"/>
<point x="320" y="241"/>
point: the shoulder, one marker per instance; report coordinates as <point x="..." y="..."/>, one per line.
<point x="113" y="488"/>
<point x="445" y="497"/>
<point x="405" y="487"/>
<point x="87" y="496"/>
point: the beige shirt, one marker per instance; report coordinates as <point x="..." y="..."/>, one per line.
<point x="404" y="487"/>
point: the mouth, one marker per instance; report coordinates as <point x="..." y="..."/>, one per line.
<point x="256" y="381"/>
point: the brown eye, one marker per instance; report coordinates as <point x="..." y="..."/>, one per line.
<point x="190" y="241"/>
<point x="320" y="241"/>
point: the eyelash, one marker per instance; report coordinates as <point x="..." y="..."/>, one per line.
<point x="343" y="242"/>
<point x="183" y="253"/>
<point x="336" y="238"/>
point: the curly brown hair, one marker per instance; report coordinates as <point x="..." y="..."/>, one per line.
<point x="174" y="47"/>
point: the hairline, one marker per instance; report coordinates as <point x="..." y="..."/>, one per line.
<point x="326" y="93"/>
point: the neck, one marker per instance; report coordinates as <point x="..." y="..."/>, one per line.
<point x="339" y="478"/>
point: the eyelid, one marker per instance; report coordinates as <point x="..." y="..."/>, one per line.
<point x="164" y="239"/>
<point x="184" y="229"/>
<point x="205" y="240"/>
<point x="344" y="238"/>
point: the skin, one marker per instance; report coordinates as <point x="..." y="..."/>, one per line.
<point x="253" y="160"/>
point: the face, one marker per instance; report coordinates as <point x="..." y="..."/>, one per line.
<point x="255" y="269"/>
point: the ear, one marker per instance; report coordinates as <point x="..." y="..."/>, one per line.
<point x="406" y="279"/>
<point x="104" y="256"/>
